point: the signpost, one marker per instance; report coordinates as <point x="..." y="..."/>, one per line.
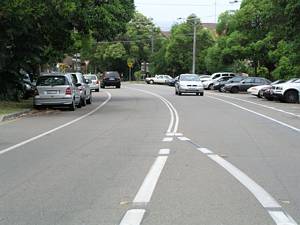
<point x="130" y="65"/>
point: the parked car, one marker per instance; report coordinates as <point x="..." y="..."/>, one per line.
<point x="95" y="83"/>
<point x="245" y="84"/>
<point x="83" y="86"/>
<point x="158" y="79"/>
<point x="56" y="90"/>
<point x="172" y="81"/>
<point x="268" y="93"/>
<point x="288" y="92"/>
<point x="110" y="78"/>
<point x="208" y="84"/>
<point x="258" y="90"/>
<point x="220" y="84"/>
<point x="26" y="87"/>
<point x="218" y="81"/>
<point x="189" y="83"/>
<point x="204" y="77"/>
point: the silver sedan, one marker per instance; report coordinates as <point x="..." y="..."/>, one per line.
<point x="189" y="83"/>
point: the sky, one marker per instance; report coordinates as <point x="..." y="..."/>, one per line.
<point x="166" y="12"/>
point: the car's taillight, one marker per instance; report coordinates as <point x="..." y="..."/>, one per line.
<point x="36" y="92"/>
<point x="68" y="91"/>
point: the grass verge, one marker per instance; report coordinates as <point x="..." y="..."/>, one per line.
<point x="7" y="107"/>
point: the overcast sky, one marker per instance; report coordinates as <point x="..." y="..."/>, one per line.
<point x="166" y="12"/>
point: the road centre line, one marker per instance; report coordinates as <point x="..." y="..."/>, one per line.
<point x="164" y="151"/>
<point x="259" y="114"/>
<point x="205" y="150"/>
<point x="184" y="139"/>
<point x="133" y="217"/>
<point x="167" y="139"/>
<point x="254" y="103"/>
<point x="55" y="129"/>
<point x="146" y="190"/>
<point x="173" y="111"/>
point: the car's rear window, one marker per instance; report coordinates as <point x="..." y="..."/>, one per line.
<point x="91" y="77"/>
<point x="52" y="81"/>
<point x="112" y="74"/>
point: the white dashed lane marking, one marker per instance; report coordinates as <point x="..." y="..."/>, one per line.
<point x="167" y="139"/>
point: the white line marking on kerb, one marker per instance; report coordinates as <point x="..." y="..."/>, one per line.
<point x="133" y="217"/>
<point x="146" y="190"/>
<point x="164" y="151"/>
<point x="259" y="114"/>
<point x="205" y="150"/>
<point x="184" y="139"/>
<point x="282" y="218"/>
<point x="265" y="199"/>
<point x="167" y="139"/>
<point x="254" y="103"/>
<point x="55" y="129"/>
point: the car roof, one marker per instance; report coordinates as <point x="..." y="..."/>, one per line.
<point x="52" y="74"/>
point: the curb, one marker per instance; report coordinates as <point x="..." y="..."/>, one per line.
<point x="13" y="115"/>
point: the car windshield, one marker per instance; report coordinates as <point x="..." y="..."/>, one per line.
<point x="189" y="78"/>
<point x="52" y="81"/>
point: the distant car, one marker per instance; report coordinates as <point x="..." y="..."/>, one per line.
<point x="189" y="83"/>
<point x="288" y="92"/>
<point x="110" y="78"/>
<point x="56" y="90"/>
<point x="158" y="79"/>
<point x="83" y="86"/>
<point x="220" y="84"/>
<point x="208" y="84"/>
<point x="95" y="83"/>
<point x="172" y="81"/>
<point x="258" y="90"/>
<point x="204" y="77"/>
<point x="245" y="84"/>
<point x="268" y="93"/>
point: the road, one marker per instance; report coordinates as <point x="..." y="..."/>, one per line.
<point x="142" y="155"/>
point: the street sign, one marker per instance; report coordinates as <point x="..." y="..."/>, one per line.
<point x="130" y="64"/>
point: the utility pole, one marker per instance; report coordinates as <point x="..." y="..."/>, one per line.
<point x="152" y="42"/>
<point x="194" y="48"/>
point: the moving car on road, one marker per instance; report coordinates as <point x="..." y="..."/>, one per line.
<point x="56" y="90"/>
<point x="189" y="83"/>
<point x="110" y="78"/>
<point x="95" y="83"/>
<point x="245" y="84"/>
<point x="158" y="79"/>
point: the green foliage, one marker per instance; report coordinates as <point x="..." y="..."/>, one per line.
<point x="138" y="75"/>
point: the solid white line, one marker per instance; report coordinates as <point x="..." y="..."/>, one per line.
<point x="184" y="139"/>
<point x="164" y="151"/>
<point x="259" y="114"/>
<point x="146" y="190"/>
<point x="167" y="139"/>
<point x="281" y="218"/>
<point x="254" y="103"/>
<point x="205" y="150"/>
<point x="265" y="199"/>
<point x="170" y="107"/>
<point x="133" y="217"/>
<point x="55" y="129"/>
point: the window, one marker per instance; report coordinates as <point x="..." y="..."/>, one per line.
<point x="52" y="81"/>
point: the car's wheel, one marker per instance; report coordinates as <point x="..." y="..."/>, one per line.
<point x="97" y="90"/>
<point x="118" y="86"/>
<point x="202" y="93"/>
<point x="38" y="107"/>
<point x="72" y="107"/>
<point x="179" y="93"/>
<point x="176" y="93"/>
<point x="83" y="101"/>
<point x="234" y="90"/>
<point x="151" y="82"/>
<point x="211" y="87"/>
<point x="222" y="89"/>
<point x="291" y="96"/>
<point x="89" y="101"/>
<point x="102" y="86"/>
<point x="260" y="94"/>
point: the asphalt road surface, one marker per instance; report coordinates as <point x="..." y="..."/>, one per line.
<point x="142" y="155"/>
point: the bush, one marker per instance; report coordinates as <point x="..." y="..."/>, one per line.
<point x="138" y="75"/>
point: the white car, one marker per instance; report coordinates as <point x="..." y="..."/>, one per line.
<point x="204" y="77"/>
<point x="209" y="84"/>
<point x="94" y="82"/>
<point x="158" y="79"/>
<point x="288" y="92"/>
<point x="189" y="83"/>
<point x="258" y="90"/>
